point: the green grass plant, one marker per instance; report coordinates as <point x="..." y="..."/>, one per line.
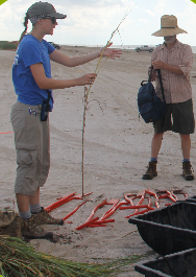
<point x="87" y="90"/>
<point x="20" y="259"/>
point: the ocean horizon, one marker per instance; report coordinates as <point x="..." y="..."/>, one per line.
<point x="131" y="47"/>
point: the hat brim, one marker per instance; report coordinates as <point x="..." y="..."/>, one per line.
<point x="57" y="15"/>
<point x="166" y="32"/>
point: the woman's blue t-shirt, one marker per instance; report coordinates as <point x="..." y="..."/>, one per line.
<point x="31" y="51"/>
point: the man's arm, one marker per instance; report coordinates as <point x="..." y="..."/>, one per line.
<point x="184" y="66"/>
<point x="172" y="68"/>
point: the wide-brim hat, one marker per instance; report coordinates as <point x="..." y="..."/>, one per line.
<point x="44" y="8"/>
<point x="169" y="27"/>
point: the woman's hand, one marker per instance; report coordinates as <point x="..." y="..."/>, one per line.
<point x="87" y="79"/>
<point x="109" y="52"/>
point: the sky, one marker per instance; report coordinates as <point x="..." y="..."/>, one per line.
<point x="91" y="22"/>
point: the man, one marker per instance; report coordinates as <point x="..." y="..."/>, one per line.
<point x="174" y="60"/>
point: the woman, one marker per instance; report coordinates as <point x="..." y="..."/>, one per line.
<point x="33" y="84"/>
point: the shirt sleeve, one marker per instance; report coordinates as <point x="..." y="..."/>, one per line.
<point x="187" y="60"/>
<point x="31" y="54"/>
<point x="50" y="48"/>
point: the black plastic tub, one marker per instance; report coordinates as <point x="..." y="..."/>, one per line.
<point x="170" y="229"/>
<point x="181" y="264"/>
<point x="191" y="199"/>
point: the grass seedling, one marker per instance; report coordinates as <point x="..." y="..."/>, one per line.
<point x="87" y="90"/>
<point x="19" y="258"/>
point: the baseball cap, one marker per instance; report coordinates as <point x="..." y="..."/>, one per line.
<point x="44" y="8"/>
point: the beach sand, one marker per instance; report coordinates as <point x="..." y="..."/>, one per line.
<point x="117" y="151"/>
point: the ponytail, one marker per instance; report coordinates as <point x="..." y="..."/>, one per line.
<point x="26" y="25"/>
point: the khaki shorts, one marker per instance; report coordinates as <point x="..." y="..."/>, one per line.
<point x="32" y="146"/>
<point x="179" y="118"/>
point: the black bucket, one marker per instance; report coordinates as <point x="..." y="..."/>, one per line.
<point x="181" y="264"/>
<point x="191" y="199"/>
<point x="170" y="229"/>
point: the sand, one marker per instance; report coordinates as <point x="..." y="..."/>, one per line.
<point x="117" y="151"/>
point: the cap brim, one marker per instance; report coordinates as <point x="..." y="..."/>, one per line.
<point x="57" y="15"/>
<point x="166" y="32"/>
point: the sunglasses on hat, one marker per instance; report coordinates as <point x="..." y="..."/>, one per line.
<point x="53" y="19"/>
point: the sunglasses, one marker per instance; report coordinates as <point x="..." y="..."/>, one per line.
<point x="53" y="19"/>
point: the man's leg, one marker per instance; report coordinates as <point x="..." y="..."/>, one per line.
<point x="186" y="165"/>
<point x="155" y="148"/>
<point x="186" y="146"/>
<point x="156" y="145"/>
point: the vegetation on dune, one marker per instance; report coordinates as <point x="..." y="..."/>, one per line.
<point x="6" y="45"/>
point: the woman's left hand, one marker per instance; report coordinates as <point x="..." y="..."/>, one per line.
<point x="109" y="52"/>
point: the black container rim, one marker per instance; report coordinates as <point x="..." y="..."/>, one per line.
<point x="143" y="267"/>
<point x="160" y="227"/>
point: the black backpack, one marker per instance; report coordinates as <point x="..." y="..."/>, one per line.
<point x="150" y="106"/>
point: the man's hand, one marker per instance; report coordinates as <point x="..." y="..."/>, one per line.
<point x="158" y="65"/>
<point x="153" y="74"/>
<point x="172" y="68"/>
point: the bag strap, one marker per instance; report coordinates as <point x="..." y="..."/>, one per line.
<point x="149" y="76"/>
<point x="48" y="99"/>
<point x="160" y="79"/>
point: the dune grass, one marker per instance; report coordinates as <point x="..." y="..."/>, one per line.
<point x="87" y="90"/>
<point x="18" y="258"/>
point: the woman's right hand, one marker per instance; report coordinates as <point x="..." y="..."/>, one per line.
<point x="87" y="79"/>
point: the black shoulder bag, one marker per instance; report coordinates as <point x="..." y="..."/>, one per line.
<point x="150" y="106"/>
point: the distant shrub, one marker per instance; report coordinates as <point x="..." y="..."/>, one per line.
<point x="7" y="45"/>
